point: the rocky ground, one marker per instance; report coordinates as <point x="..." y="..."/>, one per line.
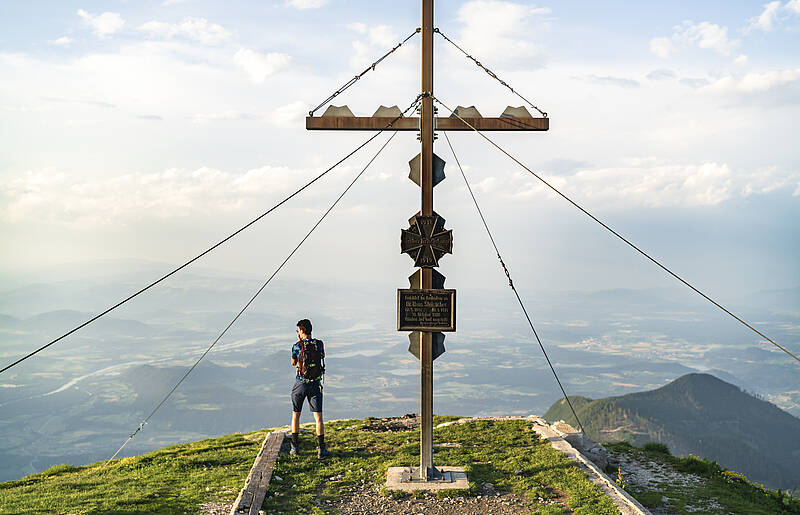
<point x="216" y="508"/>
<point x="407" y="422"/>
<point x="649" y="476"/>
<point x="369" y="500"/>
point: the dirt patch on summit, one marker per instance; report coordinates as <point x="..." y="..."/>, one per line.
<point x="368" y="500"/>
<point x="407" y="422"/>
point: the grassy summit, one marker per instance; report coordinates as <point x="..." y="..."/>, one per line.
<point x="507" y="455"/>
<point x="180" y="478"/>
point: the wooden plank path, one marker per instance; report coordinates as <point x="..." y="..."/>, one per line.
<point x="255" y="486"/>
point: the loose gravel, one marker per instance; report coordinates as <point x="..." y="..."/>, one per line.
<point x="370" y="500"/>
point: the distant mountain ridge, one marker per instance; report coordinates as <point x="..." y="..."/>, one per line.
<point x="702" y="415"/>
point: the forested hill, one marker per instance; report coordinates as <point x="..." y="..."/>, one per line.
<point x="702" y="415"/>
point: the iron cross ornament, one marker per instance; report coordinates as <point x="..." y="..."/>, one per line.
<point x="426" y="241"/>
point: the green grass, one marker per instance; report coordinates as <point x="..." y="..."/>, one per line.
<point x="173" y="480"/>
<point x="180" y="478"/>
<point x="658" y="448"/>
<point x="730" y="490"/>
<point x="508" y="454"/>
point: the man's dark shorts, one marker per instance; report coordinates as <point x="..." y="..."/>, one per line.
<point x="312" y="391"/>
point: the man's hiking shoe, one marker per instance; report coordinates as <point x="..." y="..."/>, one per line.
<point x="293" y="451"/>
<point x="323" y="453"/>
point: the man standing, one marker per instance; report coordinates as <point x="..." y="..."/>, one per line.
<point x="308" y="356"/>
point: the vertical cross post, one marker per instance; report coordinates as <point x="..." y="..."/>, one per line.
<point x="427" y="309"/>
<point x="426" y="187"/>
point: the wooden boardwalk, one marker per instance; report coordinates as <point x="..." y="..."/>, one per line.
<point x="255" y="486"/>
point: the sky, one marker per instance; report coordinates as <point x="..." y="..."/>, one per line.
<point x="146" y="130"/>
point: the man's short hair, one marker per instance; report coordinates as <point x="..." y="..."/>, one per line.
<point x="305" y="325"/>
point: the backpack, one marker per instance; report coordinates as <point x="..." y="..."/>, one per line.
<point x="311" y="364"/>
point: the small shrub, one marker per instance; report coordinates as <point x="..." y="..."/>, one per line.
<point x="658" y="448"/>
<point x="452" y="493"/>
<point x="694" y="465"/>
<point x="394" y="494"/>
<point x="733" y="477"/>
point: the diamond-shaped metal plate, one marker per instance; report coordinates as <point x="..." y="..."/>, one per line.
<point x="414" y="339"/>
<point x="416" y="169"/>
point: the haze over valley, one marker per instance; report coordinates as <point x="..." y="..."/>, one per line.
<point x="79" y="400"/>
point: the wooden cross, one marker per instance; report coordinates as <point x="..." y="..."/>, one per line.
<point x="427" y="278"/>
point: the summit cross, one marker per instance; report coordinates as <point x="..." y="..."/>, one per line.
<point x="427" y="240"/>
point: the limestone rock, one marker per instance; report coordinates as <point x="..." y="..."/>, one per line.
<point x="589" y="448"/>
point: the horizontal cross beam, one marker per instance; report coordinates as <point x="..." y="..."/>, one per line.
<point x="373" y="123"/>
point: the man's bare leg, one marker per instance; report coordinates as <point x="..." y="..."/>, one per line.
<point x="322" y="452"/>
<point x="296" y="421"/>
<point x="320" y="424"/>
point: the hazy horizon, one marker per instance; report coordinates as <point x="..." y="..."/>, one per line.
<point x="85" y="394"/>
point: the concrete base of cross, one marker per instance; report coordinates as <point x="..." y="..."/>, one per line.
<point x="407" y="479"/>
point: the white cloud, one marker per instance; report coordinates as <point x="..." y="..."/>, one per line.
<point x="793" y="6"/>
<point x="167" y="3"/>
<point x="650" y="184"/>
<point x="362" y="28"/>
<point x="174" y="193"/>
<point x="768" y="17"/>
<point x="383" y="35"/>
<point x="655" y="186"/>
<point x="379" y="39"/>
<point x="705" y="35"/>
<point x="639" y="161"/>
<point x="607" y="80"/>
<point x="289" y="115"/>
<point x="63" y="41"/>
<point x="306" y="4"/>
<point x="499" y="31"/>
<point x="661" y="74"/>
<point x="102" y="24"/>
<point x="196" y="29"/>
<point x="754" y="82"/>
<point x="741" y="60"/>
<point x="693" y="82"/>
<point x="260" y="66"/>
<point x="228" y="115"/>
<point x="487" y="185"/>
<point x="662" y="47"/>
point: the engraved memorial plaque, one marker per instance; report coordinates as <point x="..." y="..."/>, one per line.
<point x="426" y="310"/>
